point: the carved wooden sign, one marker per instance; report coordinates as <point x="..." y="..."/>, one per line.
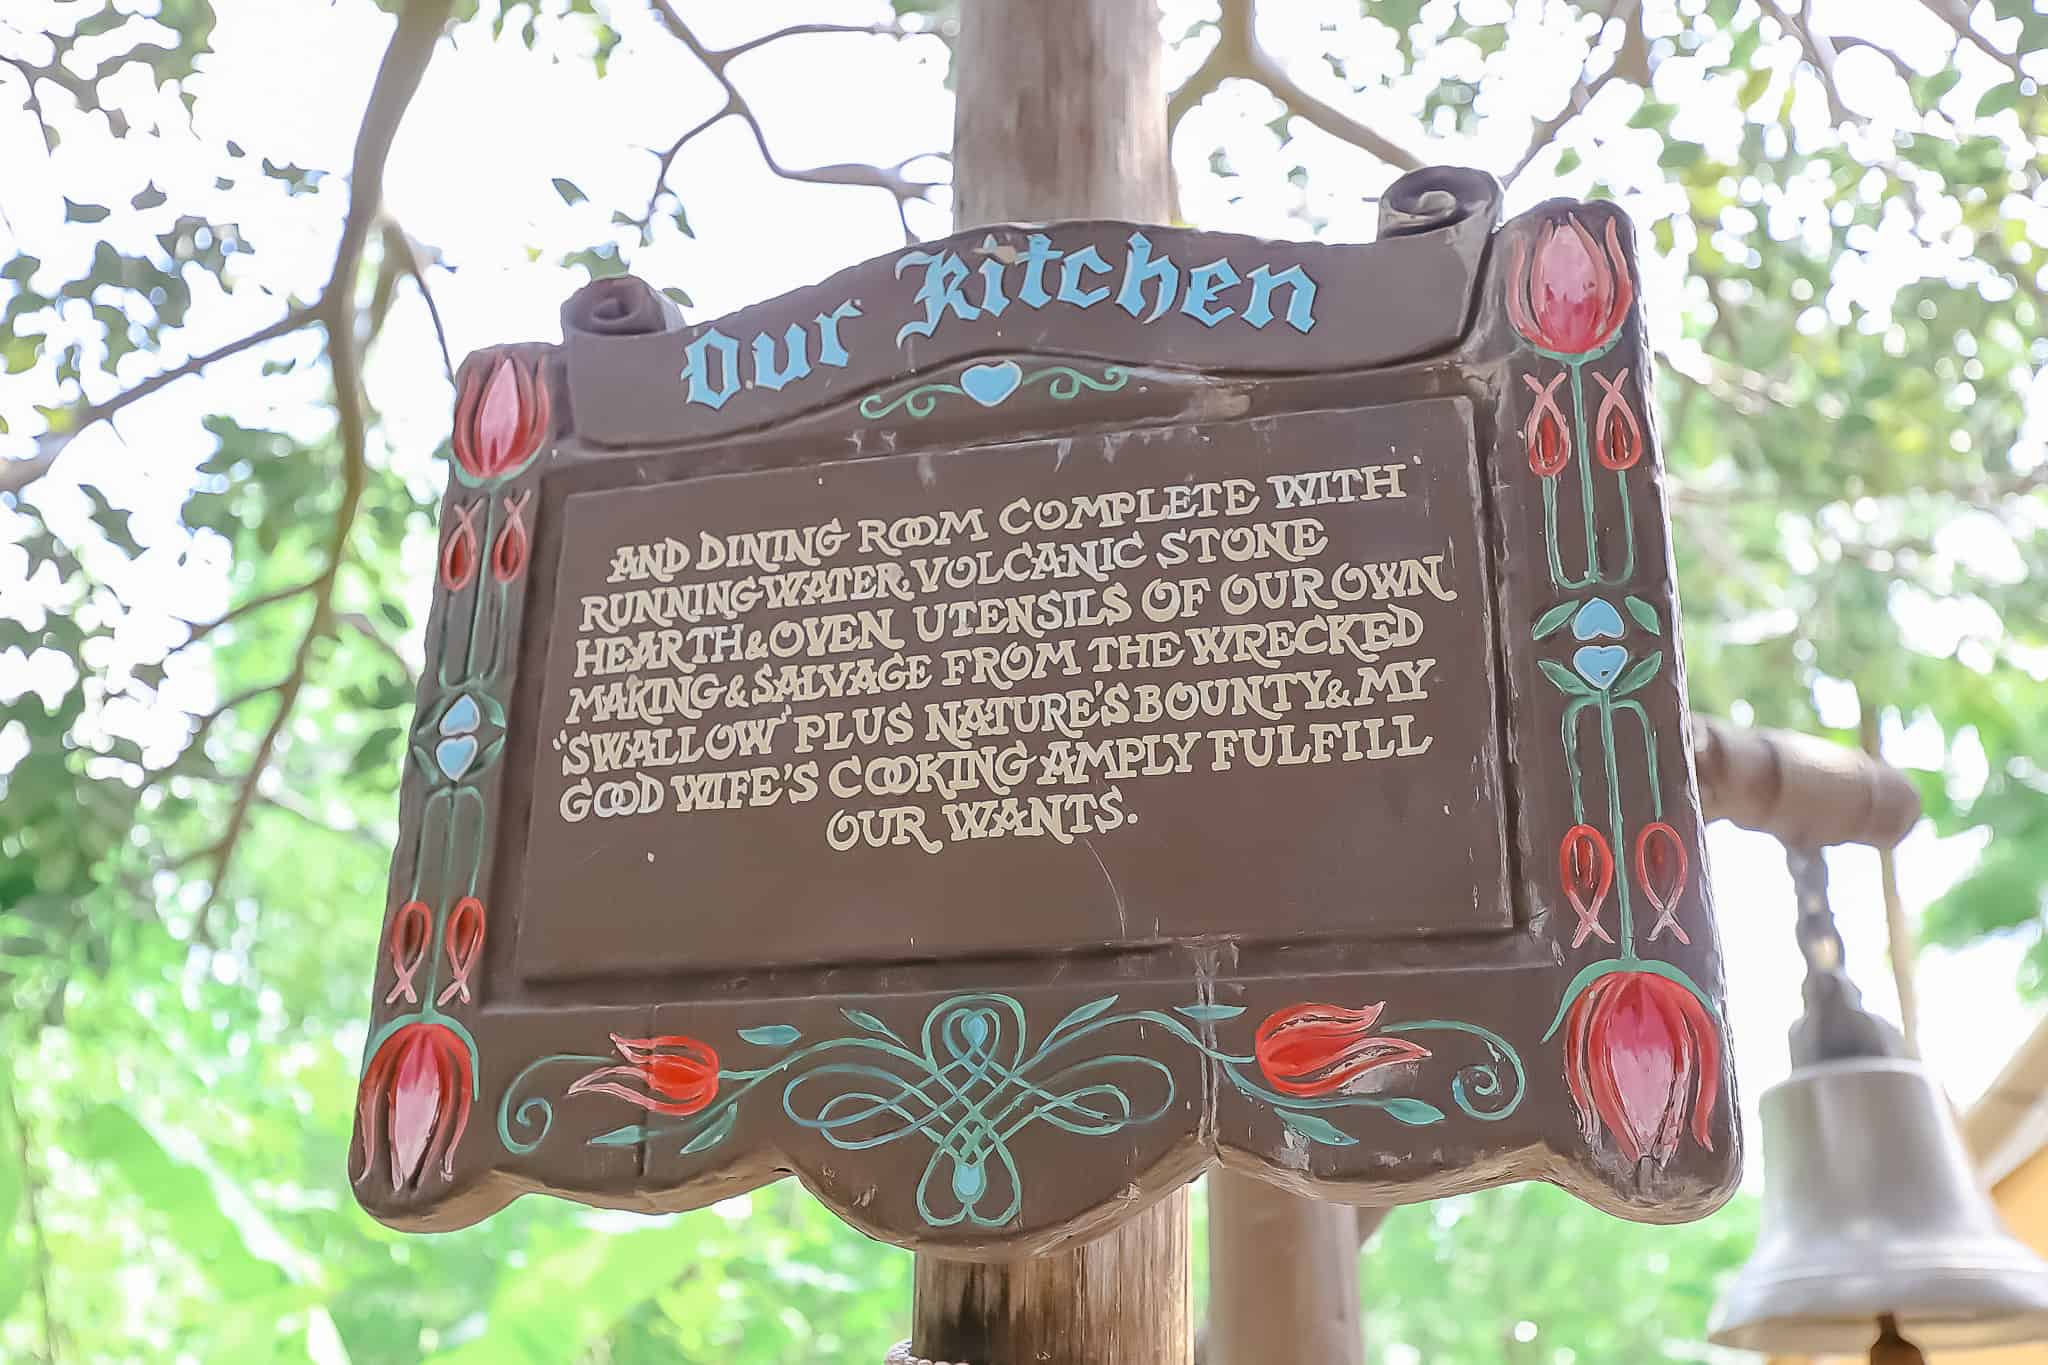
<point x="1051" y="709"/>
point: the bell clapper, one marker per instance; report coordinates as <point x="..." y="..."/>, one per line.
<point x="1892" y="1349"/>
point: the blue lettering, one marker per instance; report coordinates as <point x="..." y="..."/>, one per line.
<point x="765" y="373"/>
<point x="830" y="352"/>
<point x="1141" y="265"/>
<point x="1205" y="282"/>
<point x="993" y="300"/>
<point x="697" y="368"/>
<point x="940" y="292"/>
<point x="1301" y="297"/>
<point x="1038" y="253"/>
<point x="1070" y="278"/>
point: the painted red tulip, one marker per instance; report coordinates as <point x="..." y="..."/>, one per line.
<point x="414" y="1102"/>
<point x="1567" y="290"/>
<point x="1545" y="433"/>
<point x="1641" y="1053"/>
<point x="1618" y="437"/>
<point x="1314" y="1050"/>
<point x="508" y="556"/>
<point x="1585" y="864"/>
<point x="459" y="548"/>
<point x="502" y="413"/>
<point x="1662" y="870"/>
<point x="671" y="1074"/>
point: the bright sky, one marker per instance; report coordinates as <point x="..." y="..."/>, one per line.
<point x="471" y="177"/>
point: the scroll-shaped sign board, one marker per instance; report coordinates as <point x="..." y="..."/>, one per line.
<point x="1049" y="710"/>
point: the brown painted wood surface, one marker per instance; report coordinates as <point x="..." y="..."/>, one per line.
<point x="1048" y="129"/>
<point x="516" y="1066"/>
<point x="1121" y="1298"/>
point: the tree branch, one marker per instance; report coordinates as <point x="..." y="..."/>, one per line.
<point x="32" y="1219"/>
<point x="16" y="475"/>
<point x="1820" y="54"/>
<point x="202" y="629"/>
<point x="367" y="628"/>
<point x="725" y="55"/>
<point x="1957" y="16"/>
<point x="901" y="187"/>
<point x="399" y="240"/>
<point x="398" y="78"/>
<point x="1238" y="54"/>
<point x="1583" y="92"/>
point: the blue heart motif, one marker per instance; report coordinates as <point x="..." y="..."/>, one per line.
<point x="1600" y="664"/>
<point x="461" y="718"/>
<point x="990" y="384"/>
<point x="969" y="1181"/>
<point x="455" y="755"/>
<point x="974" y="1027"/>
<point x="1596" y="619"/>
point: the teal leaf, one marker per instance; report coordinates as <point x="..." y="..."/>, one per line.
<point x="1318" y="1129"/>
<point x="1645" y="669"/>
<point x="1549" y="621"/>
<point x="1413" y="1112"/>
<point x="1081" y="1014"/>
<point x="770" y="1035"/>
<point x="862" y="1019"/>
<point x="713" y="1132"/>
<point x="1644" y="613"/>
<point x="1206" y="1012"/>
<point x="1563" y="679"/>
<point x="629" y="1136"/>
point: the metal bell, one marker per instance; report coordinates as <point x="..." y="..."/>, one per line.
<point x="1873" y="1218"/>
<point x="1871" y="1209"/>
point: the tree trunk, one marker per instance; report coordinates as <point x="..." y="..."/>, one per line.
<point x="1121" y="1298"/>
<point x="1062" y="114"/>
<point x="1283" y="1275"/>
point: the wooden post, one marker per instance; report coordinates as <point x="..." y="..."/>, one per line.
<point x="1062" y="114"/>
<point x="1121" y="1298"/>
<point x="1283" y="1275"/>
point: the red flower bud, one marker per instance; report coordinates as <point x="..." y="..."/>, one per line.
<point x="1586" y="867"/>
<point x="414" y="1101"/>
<point x="502" y="413"/>
<point x="1618" y="442"/>
<point x="464" y="948"/>
<point x="411" y="930"/>
<point x="459" y="548"/>
<point x="1662" y="869"/>
<point x="1568" y="292"/>
<point x="671" y="1074"/>
<point x="1313" y="1050"/>
<point x="1545" y="432"/>
<point x="508" y="556"/>
<point x="1640" y="1052"/>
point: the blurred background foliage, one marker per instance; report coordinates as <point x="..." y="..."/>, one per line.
<point x="207" y="663"/>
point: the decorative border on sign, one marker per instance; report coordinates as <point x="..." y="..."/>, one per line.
<point x="421" y="1069"/>
<point x="993" y="383"/>
<point x="973" y="1080"/>
<point x="1643" y="1049"/>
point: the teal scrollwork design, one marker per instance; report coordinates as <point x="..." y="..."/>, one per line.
<point x="993" y="383"/>
<point x="974" y="1080"/>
